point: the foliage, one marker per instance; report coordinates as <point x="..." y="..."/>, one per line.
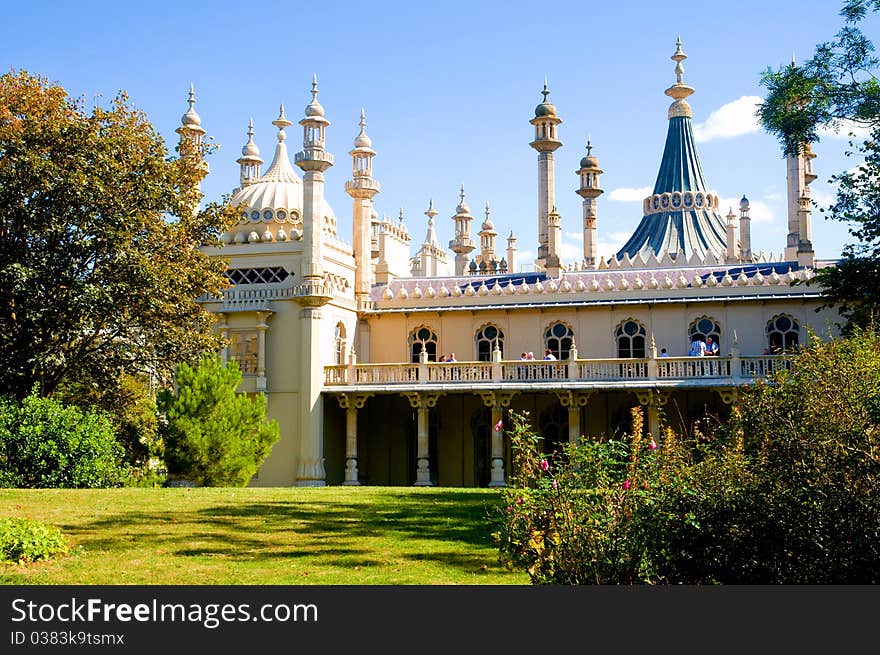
<point x="837" y="88"/>
<point x="787" y="492"/>
<point x="45" y="444"/>
<point x="23" y="541"/>
<point x="130" y="405"/>
<point x="213" y="435"/>
<point x="99" y="260"/>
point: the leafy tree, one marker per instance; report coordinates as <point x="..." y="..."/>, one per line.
<point x="46" y="444"/>
<point x="213" y="435"/>
<point x="99" y="260"/>
<point x="834" y="89"/>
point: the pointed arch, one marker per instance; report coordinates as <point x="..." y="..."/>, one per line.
<point x="630" y="337"/>
<point x="559" y="339"/>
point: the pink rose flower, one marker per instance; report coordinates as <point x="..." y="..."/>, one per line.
<point x="652" y="445"/>
<point x="545" y="465"/>
<point x="498" y="426"/>
<point x="555" y="484"/>
<point x="626" y="484"/>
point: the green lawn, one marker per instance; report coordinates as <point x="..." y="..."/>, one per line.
<point x="332" y="535"/>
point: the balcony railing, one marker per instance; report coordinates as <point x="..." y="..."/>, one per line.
<point x="727" y="370"/>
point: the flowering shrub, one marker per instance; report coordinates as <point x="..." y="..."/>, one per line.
<point x="786" y="491"/>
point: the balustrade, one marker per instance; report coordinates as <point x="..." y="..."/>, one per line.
<point x="666" y="369"/>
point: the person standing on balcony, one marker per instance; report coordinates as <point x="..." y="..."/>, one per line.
<point x="663" y="352"/>
<point x="451" y="358"/>
<point x="711" y="346"/>
<point x="549" y="355"/>
<point x="697" y="349"/>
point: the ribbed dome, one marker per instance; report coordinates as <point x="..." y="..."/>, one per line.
<point x="744" y="204"/>
<point x="589" y="162"/>
<point x="191" y="118"/>
<point x="363" y="141"/>
<point x="488" y="226"/>
<point x="545" y="109"/>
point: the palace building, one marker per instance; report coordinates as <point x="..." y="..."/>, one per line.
<point x="345" y="339"/>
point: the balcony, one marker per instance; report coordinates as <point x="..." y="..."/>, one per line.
<point x="665" y="372"/>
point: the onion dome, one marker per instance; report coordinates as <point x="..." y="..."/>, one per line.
<point x="462" y="206"/>
<point x="744" y="204"/>
<point x="314" y="108"/>
<point x="191" y="118"/>
<point x="589" y="161"/>
<point x="545" y="108"/>
<point x="362" y="140"/>
<point x="250" y="149"/>
<point x="487" y="225"/>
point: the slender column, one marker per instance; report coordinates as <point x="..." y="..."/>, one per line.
<point x="351" y="403"/>
<point x="422" y="402"/>
<point x="574" y="401"/>
<point x="224" y="332"/>
<point x="652" y="400"/>
<point x="262" y="327"/>
<point x="497" y="401"/>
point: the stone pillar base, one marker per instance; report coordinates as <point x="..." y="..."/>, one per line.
<point x="497" y="474"/>
<point x="423" y="475"/>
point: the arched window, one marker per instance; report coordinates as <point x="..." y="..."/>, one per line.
<point x="559" y="339"/>
<point x="486" y="339"/>
<point x="783" y="333"/>
<point x="630" y="337"/>
<point x="705" y="327"/>
<point x="340" y="343"/>
<point x="423" y="337"/>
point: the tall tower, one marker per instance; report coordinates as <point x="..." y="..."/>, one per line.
<point x="362" y="188"/>
<point x="311" y="293"/>
<point x="249" y="161"/>
<point x="511" y="253"/>
<point x="745" y="231"/>
<point x="546" y="142"/>
<point x="553" y="264"/>
<point x="487" y="239"/>
<point x="733" y="251"/>
<point x="190" y="149"/>
<point x="589" y="190"/>
<point x="462" y="245"/>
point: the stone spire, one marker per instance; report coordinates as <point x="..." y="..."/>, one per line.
<point x="589" y="190"/>
<point x="511" y="252"/>
<point x="362" y="188"/>
<point x="431" y="236"/>
<point x="745" y="231"/>
<point x="250" y="160"/>
<point x="462" y="245"/>
<point x="487" y="239"/>
<point x="190" y="144"/>
<point x="546" y="142"/>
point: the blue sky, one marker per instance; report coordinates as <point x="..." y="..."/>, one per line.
<point x="448" y="90"/>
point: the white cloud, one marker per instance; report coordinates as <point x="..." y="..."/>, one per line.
<point x="824" y="197"/>
<point x="733" y="119"/>
<point x="843" y="130"/>
<point x="610" y="243"/>
<point x="759" y="210"/>
<point x="577" y="236"/>
<point x="625" y="194"/>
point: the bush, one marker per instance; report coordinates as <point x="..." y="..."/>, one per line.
<point x="44" y="444"/>
<point x="787" y="492"/>
<point x="23" y="541"/>
<point x="213" y="435"/>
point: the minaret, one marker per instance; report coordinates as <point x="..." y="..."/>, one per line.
<point x="546" y="142"/>
<point x="362" y="187"/>
<point x="311" y="293"/>
<point x="745" y="231"/>
<point x="511" y="253"/>
<point x="487" y="239"/>
<point x="732" y="249"/>
<point x="249" y="161"/>
<point x="431" y="258"/>
<point x="190" y="147"/>
<point x="554" y="243"/>
<point x="589" y="190"/>
<point x="462" y="245"/>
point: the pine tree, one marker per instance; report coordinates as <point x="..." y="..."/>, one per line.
<point x="213" y="435"/>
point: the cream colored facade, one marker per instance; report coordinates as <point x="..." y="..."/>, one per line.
<point x="344" y="340"/>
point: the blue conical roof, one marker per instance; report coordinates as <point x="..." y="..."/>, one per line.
<point x="686" y="221"/>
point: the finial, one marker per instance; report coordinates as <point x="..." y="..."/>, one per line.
<point x="462" y="194"/>
<point x="546" y="91"/>
<point x="251" y="127"/>
<point x="314" y="86"/>
<point x="400" y="218"/>
<point x="281" y="122"/>
<point x="589" y="146"/>
<point x="793" y="62"/>
<point x="192" y="95"/>
<point x="363" y="122"/>
<point x="431" y="213"/>
<point x="488" y="211"/>
<point x="678" y="57"/>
